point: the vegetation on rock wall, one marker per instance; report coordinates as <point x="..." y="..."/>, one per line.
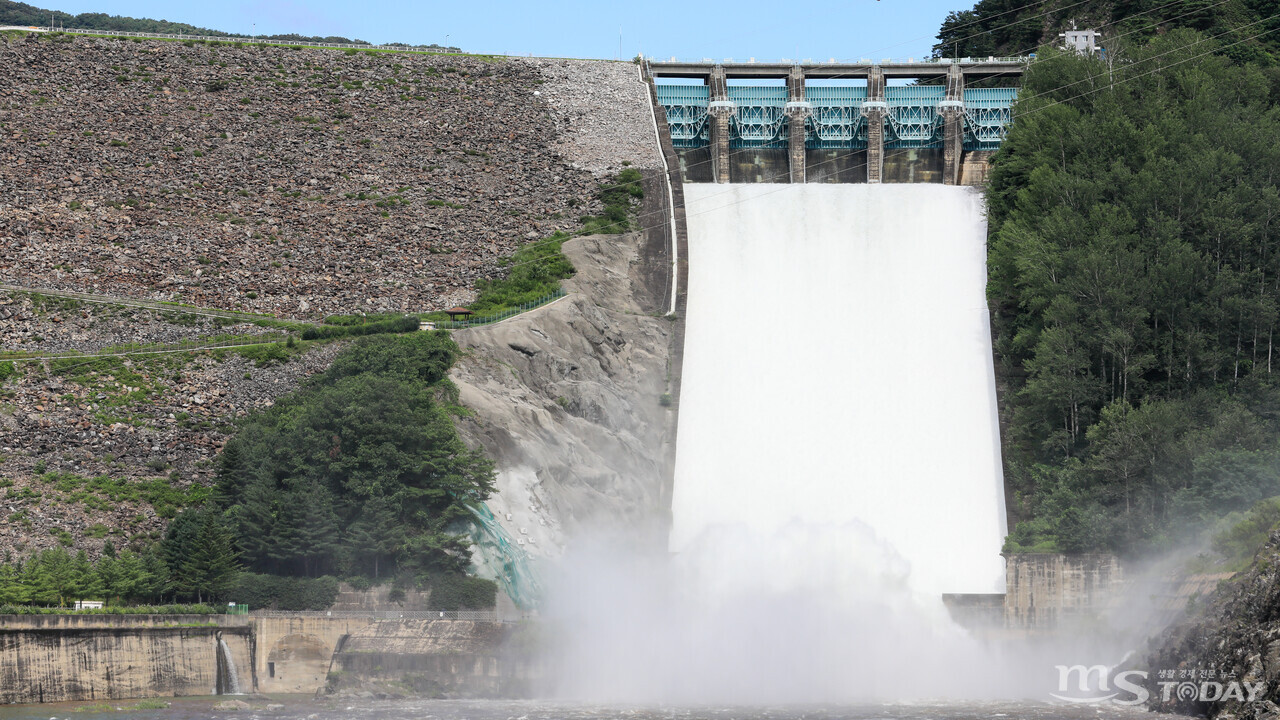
<point x="535" y="270"/>
<point x="1136" y="293"/>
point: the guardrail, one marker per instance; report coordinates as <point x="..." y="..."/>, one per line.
<point x="491" y="319"/>
<point x="257" y="41"/>
<point x="193" y="345"/>
<point x="158" y="305"/>
<point x="472" y="615"/>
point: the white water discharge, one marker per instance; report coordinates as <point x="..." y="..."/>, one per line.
<point x="838" y="468"/>
<point x="838" y="369"/>
<point x="228" y="681"/>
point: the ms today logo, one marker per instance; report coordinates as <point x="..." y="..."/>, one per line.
<point x="1096" y="685"/>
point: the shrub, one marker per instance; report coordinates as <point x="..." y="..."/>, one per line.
<point x="461" y="592"/>
<point x="285" y="593"/>
<point x="216" y="85"/>
<point x="407" y="323"/>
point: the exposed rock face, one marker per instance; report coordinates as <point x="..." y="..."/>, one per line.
<point x="313" y="182"/>
<point x="604" y="120"/>
<point x="1235" y="637"/>
<point x="569" y="401"/>
<point x="32" y="323"/>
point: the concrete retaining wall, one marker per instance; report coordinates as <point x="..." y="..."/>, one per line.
<point x="1043" y="591"/>
<point x="435" y="657"/>
<point x="57" y="658"/>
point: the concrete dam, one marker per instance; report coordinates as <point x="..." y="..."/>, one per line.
<point x="838" y="362"/>
<point x="912" y="122"/>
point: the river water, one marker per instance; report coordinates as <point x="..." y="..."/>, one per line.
<point x="302" y="708"/>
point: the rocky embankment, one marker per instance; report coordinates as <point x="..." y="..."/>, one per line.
<point x="1234" y="637"/>
<point x="292" y="182"/>
<point x="136" y="420"/>
<point x="295" y="182"/>
<point x="42" y="323"/>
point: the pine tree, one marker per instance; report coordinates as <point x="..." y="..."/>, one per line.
<point x="50" y="577"/>
<point x="85" y="583"/>
<point x="12" y="590"/>
<point x="212" y="566"/>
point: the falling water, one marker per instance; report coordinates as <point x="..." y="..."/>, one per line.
<point x="838" y="466"/>
<point x="838" y="369"/>
<point x="228" y="680"/>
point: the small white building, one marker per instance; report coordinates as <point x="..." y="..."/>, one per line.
<point x="1084" y="42"/>
<point x="89" y="604"/>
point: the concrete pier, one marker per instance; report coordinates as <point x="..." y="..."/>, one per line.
<point x="720" y="110"/>
<point x="875" y="109"/>
<point x="952" y="109"/>
<point x="797" y="112"/>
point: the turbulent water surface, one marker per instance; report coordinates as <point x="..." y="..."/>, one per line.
<point x="307" y="709"/>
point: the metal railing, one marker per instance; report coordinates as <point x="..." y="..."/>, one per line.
<point x="491" y="319"/>
<point x="472" y="615"/>
<point x="192" y="345"/>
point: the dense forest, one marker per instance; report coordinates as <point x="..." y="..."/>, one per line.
<point x="1245" y="28"/>
<point x="361" y="472"/>
<point x="1134" y="276"/>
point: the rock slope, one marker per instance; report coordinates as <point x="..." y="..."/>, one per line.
<point x="1235" y="637"/>
<point x="294" y="182"/>
<point x="569" y="400"/>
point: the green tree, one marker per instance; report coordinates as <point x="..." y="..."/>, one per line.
<point x="85" y="583"/>
<point x="363" y="463"/>
<point x="1134" y="282"/>
<point x="211" y="567"/>
<point x="50" y="577"/>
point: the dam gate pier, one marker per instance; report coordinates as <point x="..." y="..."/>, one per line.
<point x="837" y="122"/>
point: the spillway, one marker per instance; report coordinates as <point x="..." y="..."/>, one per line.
<point x="838" y="383"/>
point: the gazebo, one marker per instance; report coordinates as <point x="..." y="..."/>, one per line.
<point x="458" y="312"/>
